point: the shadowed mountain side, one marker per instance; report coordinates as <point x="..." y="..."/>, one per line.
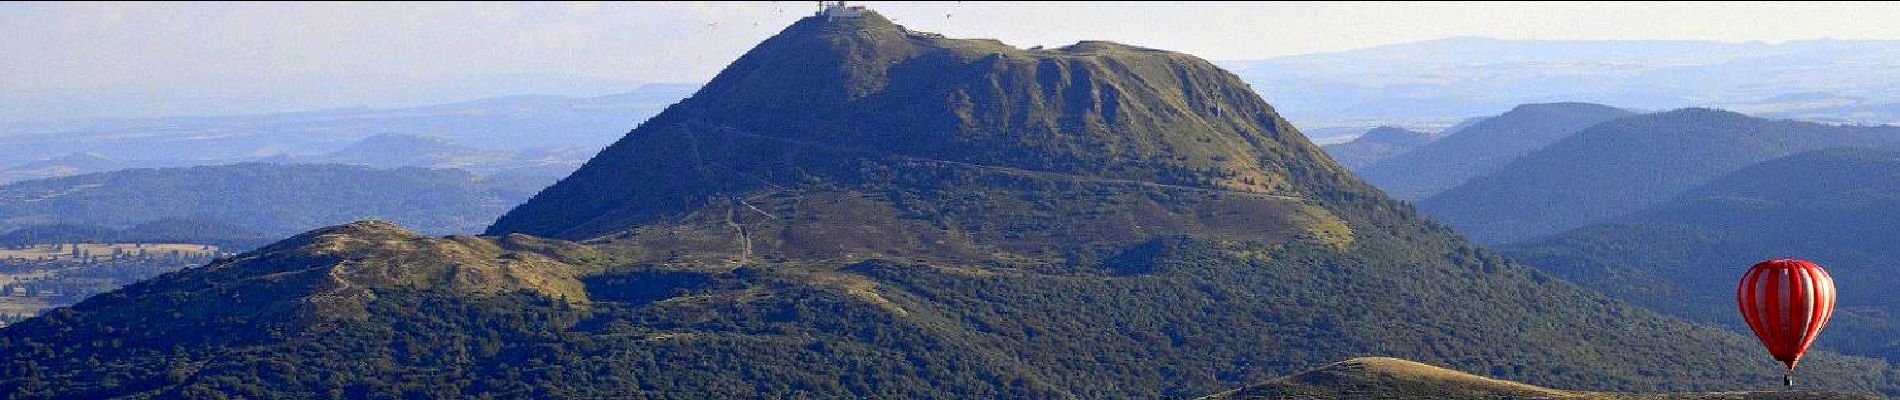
<point x="1482" y="148"/>
<point x="1623" y="166"/>
<point x="1837" y="207"/>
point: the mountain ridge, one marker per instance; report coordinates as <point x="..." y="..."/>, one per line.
<point x="1834" y="206"/>
<point x="1624" y="165"/>
<point x="270" y="199"/>
<point x="1483" y="147"/>
<point x="1377" y="144"/>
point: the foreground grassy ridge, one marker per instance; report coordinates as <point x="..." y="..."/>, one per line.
<point x="1391" y="378"/>
<point x="1173" y="317"/>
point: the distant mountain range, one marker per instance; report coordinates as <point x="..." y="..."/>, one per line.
<point x="1481" y="147"/>
<point x="1838" y="207"/>
<point x="67" y="165"/>
<point x="1377" y="144"/>
<point x="1625" y="165"/>
<point x="548" y="125"/>
<point x="1425" y="86"/>
<point x="1439" y="81"/>
<point x="271" y="200"/>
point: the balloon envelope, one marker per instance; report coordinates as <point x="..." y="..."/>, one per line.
<point x="1786" y="302"/>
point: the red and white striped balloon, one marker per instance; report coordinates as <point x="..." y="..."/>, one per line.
<point x="1786" y="302"/>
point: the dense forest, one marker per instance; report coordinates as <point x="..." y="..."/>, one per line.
<point x="168" y="230"/>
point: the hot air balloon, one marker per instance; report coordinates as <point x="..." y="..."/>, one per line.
<point x="1786" y="302"/>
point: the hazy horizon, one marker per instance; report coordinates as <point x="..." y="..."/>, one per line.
<point x="113" y="60"/>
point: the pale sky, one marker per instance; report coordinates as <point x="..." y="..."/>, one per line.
<point x="67" y="60"/>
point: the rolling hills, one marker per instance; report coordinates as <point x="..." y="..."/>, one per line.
<point x="1832" y="80"/>
<point x="66" y="165"/>
<point x="514" y="124"/>
<point x="1482" y="148"/>
<point x="270" y="200"/>
<point x="1626" y="165"/>
<point x="1377" y="144"/>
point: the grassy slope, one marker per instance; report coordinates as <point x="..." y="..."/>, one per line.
<point x="1390" y="378"/>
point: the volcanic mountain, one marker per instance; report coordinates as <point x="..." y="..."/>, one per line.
<point x="856" y="210"/>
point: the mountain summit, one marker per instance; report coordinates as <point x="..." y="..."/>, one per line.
<point x="855" y="210"/>
<point x="826" y="99"/>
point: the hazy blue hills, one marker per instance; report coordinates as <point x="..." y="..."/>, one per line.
<point x="1626" y="165"/>
<point x="530" y="167"/>
<point x="66" y="165"/>
<point x="1481" y="147"/>
<point x="1837" y="207"/>
<point x="393" y="150"/>
<point x="1377" y="144"/>
<point x="1442" y="80"/>
<point x="543" y="124"/>
<point x="267" y="199"/>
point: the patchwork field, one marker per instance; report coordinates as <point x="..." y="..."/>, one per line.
<point x="51" y="252"/>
